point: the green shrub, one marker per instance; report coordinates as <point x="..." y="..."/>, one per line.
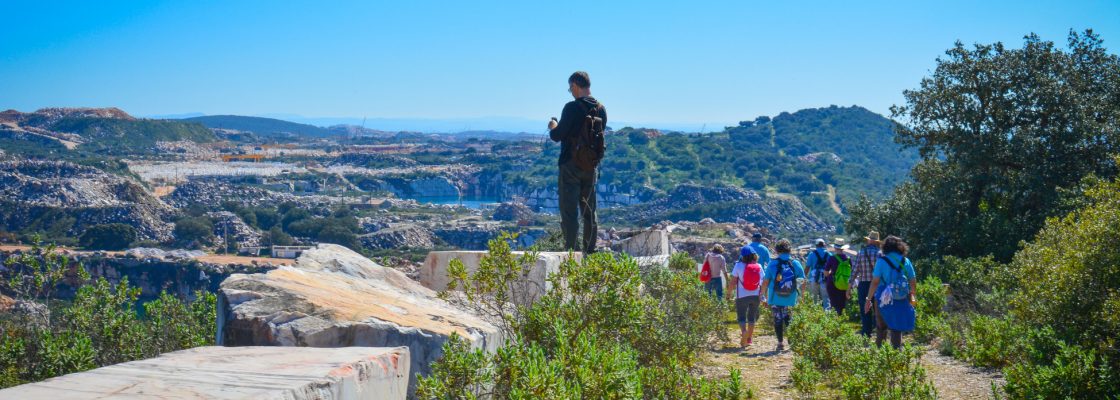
<point x="1000" y="342"/>
<point x="606" y="330"/>
<point x="65" y="352"/>
<point x="886" y="373"/>
<point x="821" y="336"/>
<point x="682" y="262"/>
<point x="805" y="376"/>
<point x="1072" y="372"/>
<point x="101" y="326"/>
<point x="1069" y="275"/>
<point x="931" y="296"/>
<point x="194" y="229"/>
<point x="108" y="237"/>
<point x="829" y="350"/>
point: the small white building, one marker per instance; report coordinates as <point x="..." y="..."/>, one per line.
<point x="289" y="251"/>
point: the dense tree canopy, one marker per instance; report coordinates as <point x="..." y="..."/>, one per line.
<point x="108" y="237"/>
<point x="1006" y="137"/>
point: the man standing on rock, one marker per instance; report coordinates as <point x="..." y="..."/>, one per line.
<point x="580" y="133"/>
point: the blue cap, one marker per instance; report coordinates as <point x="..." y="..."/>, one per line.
<point x="746" y="251"/>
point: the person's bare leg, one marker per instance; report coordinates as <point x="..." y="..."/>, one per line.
<point x="743" y="335"/>
<point x="750" y="333"/>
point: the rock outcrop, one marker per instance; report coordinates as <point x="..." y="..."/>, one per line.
<point x="645" y="244"/>
<point x="473" y="236"/>
<point x="213" y="193"/>
<point x="513" y="212"/>
<point x="29" y="189"/>
<point x="534" y="284"/>
<point x="230" y="227"/>
<point x="403" y="235"/>
<point x="726" y="204"/>
<point x="334" y="297"/>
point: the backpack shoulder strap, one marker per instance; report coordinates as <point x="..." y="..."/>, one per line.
<point x="891" y="263"/>
<point x="588" y="110"/>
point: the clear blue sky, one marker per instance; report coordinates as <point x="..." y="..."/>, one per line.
<point x="650" y="62"/>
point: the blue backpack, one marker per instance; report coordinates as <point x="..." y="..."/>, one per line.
<point x="785" y="280"/>
<point x="900" y="285"/>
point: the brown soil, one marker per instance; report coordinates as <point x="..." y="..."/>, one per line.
<point x="763" y="369"/>
<point x="767" y="372"/>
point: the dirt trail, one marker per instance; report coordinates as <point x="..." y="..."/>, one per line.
<point x="832" y="200"/>
<point x="767" y="371"/>
<point x="763" y="369"/>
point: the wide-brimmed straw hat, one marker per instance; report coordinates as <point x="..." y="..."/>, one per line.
<point x="873" y="238"/>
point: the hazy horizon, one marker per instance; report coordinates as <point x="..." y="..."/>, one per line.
<point x="658" y="64"/>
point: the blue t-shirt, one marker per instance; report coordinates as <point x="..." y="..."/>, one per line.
<point x="818" y="255"/>
<point x="771" y="271"/>
<point x="886" y="274"/>
<point x="763" y="253"/>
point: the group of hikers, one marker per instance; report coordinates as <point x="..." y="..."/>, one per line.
<point x="880" y="273"/>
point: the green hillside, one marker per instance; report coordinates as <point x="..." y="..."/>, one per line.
<point x="261" y="126"/>
<point x="790" y="153"/>
<point x="124" y="136"/>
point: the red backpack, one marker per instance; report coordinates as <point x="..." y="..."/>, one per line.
<point x="752" y="276"/>
<point x="706" y="271"/>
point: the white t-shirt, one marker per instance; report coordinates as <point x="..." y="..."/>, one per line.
<point x="737" y="272"/>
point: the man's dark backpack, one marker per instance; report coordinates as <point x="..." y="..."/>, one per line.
<point x="589" y="142"/>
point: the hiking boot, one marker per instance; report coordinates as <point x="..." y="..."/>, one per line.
<point x="780" y="347"/>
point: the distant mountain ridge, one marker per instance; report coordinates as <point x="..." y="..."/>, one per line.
<point x="102" y="130"/>
<point x="261" y="126"/>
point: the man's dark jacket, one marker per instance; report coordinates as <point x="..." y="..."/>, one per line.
<point x="571" y="121"/>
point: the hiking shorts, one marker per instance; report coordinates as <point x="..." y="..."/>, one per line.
<point x="746" y="309"/>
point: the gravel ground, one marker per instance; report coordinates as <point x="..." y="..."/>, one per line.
<point x="767" y="371"/>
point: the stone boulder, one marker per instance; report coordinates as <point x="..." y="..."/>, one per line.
<point x="433" y="274"/>
<point x="513" y="212"/>
<point x="353" y="373"/>
<point x="334" y="297"/>
<point x="645" y="243"/>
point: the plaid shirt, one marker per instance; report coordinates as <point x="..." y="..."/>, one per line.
<point x="864" y="264"/>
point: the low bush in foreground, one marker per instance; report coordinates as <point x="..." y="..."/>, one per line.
<point x="101" y="326"/>
<point x="830" y="351"/>
<point x="607" y="330"/>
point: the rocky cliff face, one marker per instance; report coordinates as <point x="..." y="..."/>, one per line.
<point x="151" y="270"/>
<point x="473" y="236"/>
<point x="334" y="297"/>
<point x="228" y="226"/>
<point x="725" y="204"/>
<point x="547" y="199"/>
<point x="399" y="236"/>
<point x="89" y="195"/>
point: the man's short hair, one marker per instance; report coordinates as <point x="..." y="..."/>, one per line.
<point x="581" y="79"/>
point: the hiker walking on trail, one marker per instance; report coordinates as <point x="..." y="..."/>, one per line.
<point x="837" y="276"/>
<point x="760" y="249"/>
<point x="816" y="262"/>
<point x="717" y="264"/>
<point x="580" y="133"/>
<point x="892" y="286"/>
<point x="862" y="267"/>
<point x="781" y="284"/>
<point x="747" y="279"/>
